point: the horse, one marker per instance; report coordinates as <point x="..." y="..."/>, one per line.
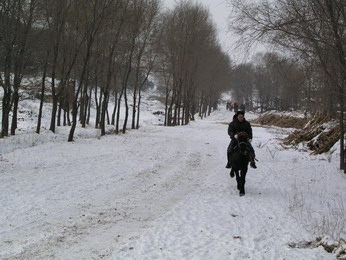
<point x="240" y="159"/>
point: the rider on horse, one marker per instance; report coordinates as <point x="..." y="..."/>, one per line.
<point x="239" y="124"/>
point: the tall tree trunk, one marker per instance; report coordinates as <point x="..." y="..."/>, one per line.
<point x="89" y="106"/>
<point x="125" y="82"/>
<point x="166" y="106"/>
<point x="58" y="123"/>
<point x="84" y="102"/>
<point x="15" y="100"/>
<point x="134" y="110"/>
<point x="126" y="111"/>
<point x="115" y="107"/>
<point x="43" y="87"/>
<point x="54" y="95"/>
<point x="97" y="104"/>
<point x="6" y="106"/>
<point x="138" y="107"/>
<point x="104" y="111"/>
<point x="118" y="111"/>
<point x="139" y="98"/>
<point x="15" y="96"/>
<point x="342" y="131"/>
<point x="80" y="84"/>
<point x="6" y="100"/>
<point x="341" y="56"/>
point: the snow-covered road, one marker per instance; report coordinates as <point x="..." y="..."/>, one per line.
<point x="163" y="193"/>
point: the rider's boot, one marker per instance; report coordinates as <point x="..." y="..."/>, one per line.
<point x="232" y="173"/>
<point x="229" y="165"/>
<point x="253" y="163"/>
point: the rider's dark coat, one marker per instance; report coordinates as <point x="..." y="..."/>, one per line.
<point x="236" y="126"/>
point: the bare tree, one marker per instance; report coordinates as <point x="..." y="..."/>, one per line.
<point x="16" y="19"/>
<point x="189" y="36"/>
<point x="93" y="15"/>
<point x="313" y="29"/>
<point x="243" y="84"/>
<point x="146" y="41"/>
<point x="113" y="33"/>
<point x="56" y="13"/>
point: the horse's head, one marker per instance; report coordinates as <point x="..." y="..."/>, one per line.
<point x="243" y="139"/>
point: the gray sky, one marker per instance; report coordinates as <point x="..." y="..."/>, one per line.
<point x="219" y="11"/>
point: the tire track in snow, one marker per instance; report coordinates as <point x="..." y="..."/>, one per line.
<point x="114" y="215"/>
<point x="215" y="223"/>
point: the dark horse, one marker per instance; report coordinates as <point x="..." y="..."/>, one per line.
<point x="240" y="160"/>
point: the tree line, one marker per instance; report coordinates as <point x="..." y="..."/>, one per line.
<point x="312" y="34"/>
<point x="271" y="82"/>
<point x="93" y="52"/>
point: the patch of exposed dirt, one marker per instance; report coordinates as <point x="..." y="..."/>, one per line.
<point x="318" y="132"/>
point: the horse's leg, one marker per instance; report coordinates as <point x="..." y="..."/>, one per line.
<point x="242" y="182"/>
<point x="238" y="177"/>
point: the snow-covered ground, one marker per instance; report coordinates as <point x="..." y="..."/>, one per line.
<point x="164" y="193"/>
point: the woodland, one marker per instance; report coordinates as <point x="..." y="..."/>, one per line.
<point x="77" y="54"/>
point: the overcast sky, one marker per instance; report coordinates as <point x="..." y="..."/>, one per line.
<point x="219" y="11"/>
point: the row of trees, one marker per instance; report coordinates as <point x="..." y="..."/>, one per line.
<point x="270" y="82"/>
<point x="95" y="51"/>
<point x="314" y="32"/>
<point x="198" y="70"/>
<point x="276" y="82"/>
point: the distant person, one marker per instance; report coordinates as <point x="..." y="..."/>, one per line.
<point x="240" y="124"/>
<point x="242" y="107"/>
<point x="235" y="107"/>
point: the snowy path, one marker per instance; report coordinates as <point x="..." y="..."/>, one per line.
<point x="162" y="193"/>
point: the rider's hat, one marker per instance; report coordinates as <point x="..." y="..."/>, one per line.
<point x="239" y="113"/>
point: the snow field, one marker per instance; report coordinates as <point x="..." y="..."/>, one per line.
<point x="163" y="193"/>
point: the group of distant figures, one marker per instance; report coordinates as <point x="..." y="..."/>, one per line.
<point x="235" y="107"/>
